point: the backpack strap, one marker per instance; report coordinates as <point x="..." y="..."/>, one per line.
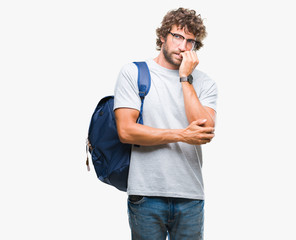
<point x="144" y="82"/>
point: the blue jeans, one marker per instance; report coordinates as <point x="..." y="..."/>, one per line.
<point x="156" y="217"/>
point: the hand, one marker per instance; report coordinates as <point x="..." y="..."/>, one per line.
<point x="196" y="134"/>
<point x="188" y="64"/>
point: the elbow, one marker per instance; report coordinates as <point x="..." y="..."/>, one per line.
<point x="210" y="123"/>
<point x="123" y="135"/>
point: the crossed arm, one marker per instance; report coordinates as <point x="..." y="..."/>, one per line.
<point x="129" y="131"/>
<point x="201" y="119"/>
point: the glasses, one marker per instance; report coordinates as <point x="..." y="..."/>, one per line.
<point x="178" y="39"/>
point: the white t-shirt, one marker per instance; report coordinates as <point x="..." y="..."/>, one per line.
<point x="168" y="170"/>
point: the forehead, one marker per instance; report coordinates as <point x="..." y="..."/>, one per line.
<point x="182" y="31"/>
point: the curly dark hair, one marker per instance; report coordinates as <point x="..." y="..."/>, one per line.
<point x="183" y="18"/>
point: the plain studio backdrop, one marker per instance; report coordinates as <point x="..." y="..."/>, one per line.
<point x="59" y="58"/>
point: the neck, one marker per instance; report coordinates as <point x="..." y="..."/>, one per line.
<point x="160" y="59"/>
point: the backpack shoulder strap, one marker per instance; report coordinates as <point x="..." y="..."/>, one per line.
<point x="144" y="79"/>
<point x="144" y="82"/>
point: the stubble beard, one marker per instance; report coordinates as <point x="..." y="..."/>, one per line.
<point x="169" y="56"/>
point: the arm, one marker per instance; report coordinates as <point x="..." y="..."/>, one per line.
<point x="193" y="108"/>
<point x="133" y="133"/>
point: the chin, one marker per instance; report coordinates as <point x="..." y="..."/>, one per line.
<point x="171" y="57"/>
<point x="176" y="62"/>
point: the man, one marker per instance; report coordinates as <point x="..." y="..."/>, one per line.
<point x="165" y="184"/>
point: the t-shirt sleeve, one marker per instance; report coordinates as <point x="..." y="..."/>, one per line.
<point x="209" y="94"/>
<point x="126" y="93"/>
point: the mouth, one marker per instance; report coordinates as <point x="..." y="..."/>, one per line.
<point x="178" y="55"/>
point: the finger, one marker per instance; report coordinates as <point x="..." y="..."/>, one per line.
<point x="203" y="142"/>
<point x="187" y="55"/>
<point x="184" y="54"/>
<point x="194" y="58"/>
<point x="208" y="130"/>
<point x="199" y="122"/>
<point x="192" y="55"/>
<point x="207" y="137"/>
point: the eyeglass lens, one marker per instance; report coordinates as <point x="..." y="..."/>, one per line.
<point x="178" y="39"/>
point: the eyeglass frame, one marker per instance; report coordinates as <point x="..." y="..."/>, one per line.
<point x="195" y="43"/>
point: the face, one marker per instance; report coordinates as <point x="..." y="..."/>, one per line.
<point x="171" y="50"/>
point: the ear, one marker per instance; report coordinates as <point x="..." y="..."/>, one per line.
<point x="162" y="39"/>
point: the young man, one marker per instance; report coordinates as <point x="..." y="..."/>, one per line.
<point x="165" y="184"/>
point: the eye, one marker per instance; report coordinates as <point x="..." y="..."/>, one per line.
<point x="177" y="36"/>
<point x="191" y="41"/>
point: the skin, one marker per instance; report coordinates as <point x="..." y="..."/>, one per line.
<point x="201" y="119"/>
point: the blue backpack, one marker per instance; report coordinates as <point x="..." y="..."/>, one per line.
<point x="110" y="157"/>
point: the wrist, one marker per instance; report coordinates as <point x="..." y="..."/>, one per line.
<point x="188" y="79"/>
<point x="179" y="136"/>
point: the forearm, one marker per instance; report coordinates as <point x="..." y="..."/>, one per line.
<point x="147" y="136"/>
<point x="193" y="108"/>
<point x="133" y="133"/>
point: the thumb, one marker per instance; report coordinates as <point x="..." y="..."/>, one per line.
<point x="200" y="121"/>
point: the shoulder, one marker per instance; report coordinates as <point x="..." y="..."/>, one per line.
<point x="129" y="69"/>
<point x="128" y="74"/>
